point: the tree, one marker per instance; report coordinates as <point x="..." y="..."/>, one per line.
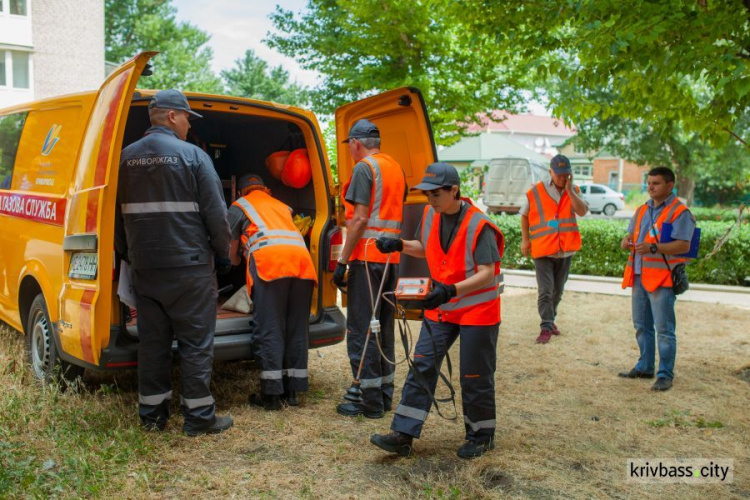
<point x="253" y="78"/>
<point x="184" y="62"/>
<point x="362" y="48"/>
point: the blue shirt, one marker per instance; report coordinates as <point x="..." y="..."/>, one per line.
<point x="682" y="227"/>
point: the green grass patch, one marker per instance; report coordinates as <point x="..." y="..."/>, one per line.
<point x="683" y="418"/>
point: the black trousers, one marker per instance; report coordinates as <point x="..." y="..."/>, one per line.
<point x="281" y="328"/>
<point x="478" y="362"/>
<point x="377" y="373"/>
<point x="176" y="303"/>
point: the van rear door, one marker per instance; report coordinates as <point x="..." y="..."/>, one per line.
<point x="86" y="297"/>
<point x="406" y="135"/>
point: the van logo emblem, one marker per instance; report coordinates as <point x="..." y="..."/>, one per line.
<point x="51" y="140"/>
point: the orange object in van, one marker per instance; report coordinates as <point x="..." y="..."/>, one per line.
<point x="59" y="164"/>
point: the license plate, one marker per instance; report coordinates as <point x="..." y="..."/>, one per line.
<point x="83" y="266"/>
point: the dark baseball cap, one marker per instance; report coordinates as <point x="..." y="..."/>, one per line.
<point x="250" y="180"/>
<point x="438" y="175"/>
<point x="363" y="129"/>
<point x="560" y="165"/>
<point x="172" y="99"/>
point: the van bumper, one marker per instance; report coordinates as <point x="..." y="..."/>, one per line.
<point x="122" y="353"/>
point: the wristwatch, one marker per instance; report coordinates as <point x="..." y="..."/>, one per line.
<point x="653" y="248"/>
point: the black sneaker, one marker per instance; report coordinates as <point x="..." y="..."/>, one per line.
<point x="395" y="442"/>
<point x="220" y="425"/>
<point x="474" y="449"/>
<point x="662" y="384"/>
<point x="635" y="374"/>
<point x="269" y="402"/>
<point x="354" y="409"/>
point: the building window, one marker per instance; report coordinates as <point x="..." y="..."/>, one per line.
<point x="3" y="77"/>
<point x="21" y="70"/>
<point x="18" y="7"/>
<point x="583" y="170"/>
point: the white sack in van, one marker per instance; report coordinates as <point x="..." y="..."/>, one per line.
<point x="239" y="302"/>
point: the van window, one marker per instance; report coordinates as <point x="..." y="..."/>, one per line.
<point x="11" y="127"/>
<point x="519" y="172"/>
<point x="51" y="140"/>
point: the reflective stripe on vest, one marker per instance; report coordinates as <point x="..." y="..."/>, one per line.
<point x="375" y="222"/>
<point x="272" y="236"/>
<point x="155" y="207"/>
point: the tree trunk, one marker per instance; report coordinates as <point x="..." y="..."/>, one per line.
<point x="685" y="188"/>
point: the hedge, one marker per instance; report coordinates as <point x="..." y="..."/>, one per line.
<point x="601" y="254"/>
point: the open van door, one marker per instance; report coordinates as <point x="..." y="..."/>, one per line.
<point x="86" y="297"/>
<point x="406" y="135"/>
<point x="405" y="131"/>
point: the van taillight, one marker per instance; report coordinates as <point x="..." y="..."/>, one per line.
<point x="335" y="245"/>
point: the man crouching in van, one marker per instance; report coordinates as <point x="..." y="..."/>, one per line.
<point x="173" y="230"/>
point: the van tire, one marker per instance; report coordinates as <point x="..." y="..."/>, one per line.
<point x="609" y="210"/>
<point x="41" y="350"/>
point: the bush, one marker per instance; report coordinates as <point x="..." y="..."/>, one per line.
<point x="719" y="214"/>
<point x="601" y="254"/>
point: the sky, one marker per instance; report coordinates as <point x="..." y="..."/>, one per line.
<point x="238" y="25"/>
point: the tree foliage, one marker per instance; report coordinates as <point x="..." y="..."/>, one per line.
<point x="253" y="77"/>
<point x="362" y="48"/>
<point x="184" y="62"/>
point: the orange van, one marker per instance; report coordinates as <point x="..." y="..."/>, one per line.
<point x="59" y="161"/>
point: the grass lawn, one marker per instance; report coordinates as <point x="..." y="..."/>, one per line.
<point x="566" y="422"/>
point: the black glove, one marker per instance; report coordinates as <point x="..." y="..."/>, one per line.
<point x="339" y="276"/>
<point x="439" y="295"/>
<point x="388" y="245"/>
<point x="222" y="265"/>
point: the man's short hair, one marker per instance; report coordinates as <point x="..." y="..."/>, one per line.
<point x="370" y="142"/>
<point x="158" y="116"/>
<point x="665" y="172"/>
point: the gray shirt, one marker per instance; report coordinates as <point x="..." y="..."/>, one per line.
<point x="555" y="194"/>
<point x="682" y="227"/>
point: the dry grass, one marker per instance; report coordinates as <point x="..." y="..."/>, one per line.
<point x="566" y="422"/>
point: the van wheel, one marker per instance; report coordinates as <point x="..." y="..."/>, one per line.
<point x="609" y="210"/>
<point x="41" y="350"/>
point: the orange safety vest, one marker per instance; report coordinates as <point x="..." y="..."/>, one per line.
<point x="552" y="226"/>
<point x="386" y="211"/>
<point x="273" y="240"/>
<point x="654" y="271"/>
<point x="481" y="307"/>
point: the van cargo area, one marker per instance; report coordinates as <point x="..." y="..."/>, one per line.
<point x="238" y="143"/>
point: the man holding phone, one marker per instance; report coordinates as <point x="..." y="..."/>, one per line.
<point x="550" y="233"/>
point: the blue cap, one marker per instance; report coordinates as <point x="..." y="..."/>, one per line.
<point x="250" y="180"/>
<point x="560" y="165"/>
<point x="171" y="99"/>
<point x="363" y="129"/>
<point x="438" y="175"/>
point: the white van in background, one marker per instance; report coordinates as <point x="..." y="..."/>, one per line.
<point x="508" y="180"/>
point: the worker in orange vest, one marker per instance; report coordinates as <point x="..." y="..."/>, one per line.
<point x="280" y="277"/>
<point x="550" y="232"/>
<point x="648" y="273"/>
<point x="374" y="202"/>
<point x="463" y="249"/>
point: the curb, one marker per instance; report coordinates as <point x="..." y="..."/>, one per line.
<point x="606" y="279"/>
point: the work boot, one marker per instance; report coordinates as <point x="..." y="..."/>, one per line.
<point x="395" y="442"/>
<point x="474" y="449"/>
<point x="269" y="402"/>
<point x="635" y="374"/>
<point x="662" y="384"/>
<point x="290" y="397"/>
<point x="220" y="425"/>
<point x="354" y="409"/>
<point x="544" y="336"/>
<point x="554" y="330"/>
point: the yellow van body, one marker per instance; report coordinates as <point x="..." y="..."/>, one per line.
<point x="59" y="164"/>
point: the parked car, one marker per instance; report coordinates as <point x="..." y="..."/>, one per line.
<point x="602" y="199"/>
<point x="59" y="163"/>
<point x="508" y="180"/>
